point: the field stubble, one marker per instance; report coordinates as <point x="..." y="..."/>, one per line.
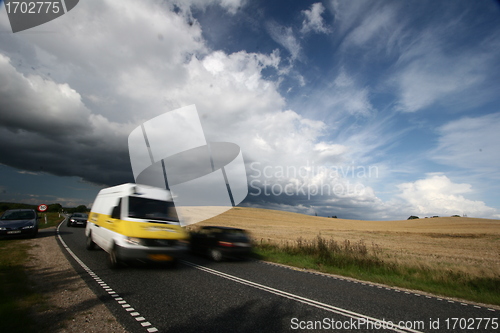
<point x="458" y="244"/>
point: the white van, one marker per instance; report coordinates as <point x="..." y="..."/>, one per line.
<point x="135" y="222"/>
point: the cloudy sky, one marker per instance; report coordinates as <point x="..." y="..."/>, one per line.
<point x="359" y="109"/>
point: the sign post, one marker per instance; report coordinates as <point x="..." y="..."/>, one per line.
<point x="42" y="208"/>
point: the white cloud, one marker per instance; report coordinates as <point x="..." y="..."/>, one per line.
<point x="343" y="96"/>
<point x="115" y="54"/>
<point x="428" y="73"/>
<point x="436" y="79"/>
<point x="314" y="21"/>
<point x="347" y="13"/>
<point x="286" y="38"/>
<point x="117" y="73"/>
<point x="232" y="6"/>
<point x="438" y="195"/>
<point x="470" y="143"/>
<point x="375" y="26"/>
<point x="434" y="61"/>
<point x="24" y="172"/>
<point x="348" y="96"/>
<point x="68" y="99"/>
<point x="34" y="104"/>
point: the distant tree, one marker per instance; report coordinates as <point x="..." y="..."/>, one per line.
<point x="455" y="216"/>
<point x="81" y="209"/>
<point x="54" y="208"/>
<point x="13" y="205"/>
<point x="334" y="216"/>
<point x="413" y="217"/>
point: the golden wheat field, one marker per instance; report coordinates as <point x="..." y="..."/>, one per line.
<point x="470" y="245"/>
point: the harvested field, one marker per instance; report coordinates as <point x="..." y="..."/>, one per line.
<point x="462" y="244"/>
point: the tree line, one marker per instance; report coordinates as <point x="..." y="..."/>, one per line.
<point x="52" y="208"/>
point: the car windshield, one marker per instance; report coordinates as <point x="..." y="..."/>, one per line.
<point x="80" y="215"/>
<point x="19" y="215"/>
<point x="143" y="208"/>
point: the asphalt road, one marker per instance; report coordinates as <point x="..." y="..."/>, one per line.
<point x="253" y="296"/>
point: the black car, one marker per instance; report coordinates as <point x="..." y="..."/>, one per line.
<point x="77" y="219"/>
<point x="221" y="242"/>
<point x="19" y="222"/>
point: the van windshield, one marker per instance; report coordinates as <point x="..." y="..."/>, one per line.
<point x="144" y="208"/>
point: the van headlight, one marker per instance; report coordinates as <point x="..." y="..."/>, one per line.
<point x="133" y="240"/>
<point x="28" y="227"/>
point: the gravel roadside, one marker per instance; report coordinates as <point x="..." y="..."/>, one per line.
<point x="69" y="305"/>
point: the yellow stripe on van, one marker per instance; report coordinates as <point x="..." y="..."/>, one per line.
<point x="139" y="229"/>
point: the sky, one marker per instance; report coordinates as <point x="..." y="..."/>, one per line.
<point x="371" y="110"/>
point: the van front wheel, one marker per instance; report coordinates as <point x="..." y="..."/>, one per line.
<point x="89" y="244"/>
<point x="113" y="260"/>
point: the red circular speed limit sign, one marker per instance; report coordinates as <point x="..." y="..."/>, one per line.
<point x="42" y="208"/>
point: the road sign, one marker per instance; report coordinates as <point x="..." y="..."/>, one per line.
<point x="42" y="208"/>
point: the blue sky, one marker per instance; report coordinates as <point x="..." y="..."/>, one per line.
<point x="359" y="109"/>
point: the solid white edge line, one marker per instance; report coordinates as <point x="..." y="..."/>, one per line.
<point x="435" y="297"/>
<point x="101" y="282"/>
<point x="300" y="299"/>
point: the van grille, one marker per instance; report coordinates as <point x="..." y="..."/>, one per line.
<point x="159" y="242"/>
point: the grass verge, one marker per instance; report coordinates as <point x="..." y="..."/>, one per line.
<point x="53" y="219"/>
<point x="357" y="260"/>
<point x="17" y="298"/>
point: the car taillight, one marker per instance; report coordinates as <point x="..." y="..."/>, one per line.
<point x="226" y="244"/>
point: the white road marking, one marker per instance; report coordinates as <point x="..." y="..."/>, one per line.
<point x="106" y="288"/>
<point x="320" y="305"/>
<point x="349" y="280"/>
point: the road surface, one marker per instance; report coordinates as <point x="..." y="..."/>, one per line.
<point x="254" y="296"/>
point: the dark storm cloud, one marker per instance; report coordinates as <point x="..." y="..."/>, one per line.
<point x="44" y="126"/>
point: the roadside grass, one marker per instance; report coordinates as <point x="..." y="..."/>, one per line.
<point x="53" y="219"/>
<point x="18" y="299"/>
<point x="359" y="261"/>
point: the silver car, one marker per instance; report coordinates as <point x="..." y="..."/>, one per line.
<point x="19" y="222"/>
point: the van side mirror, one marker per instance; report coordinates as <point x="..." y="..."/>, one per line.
<point x="115" y="214"/>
